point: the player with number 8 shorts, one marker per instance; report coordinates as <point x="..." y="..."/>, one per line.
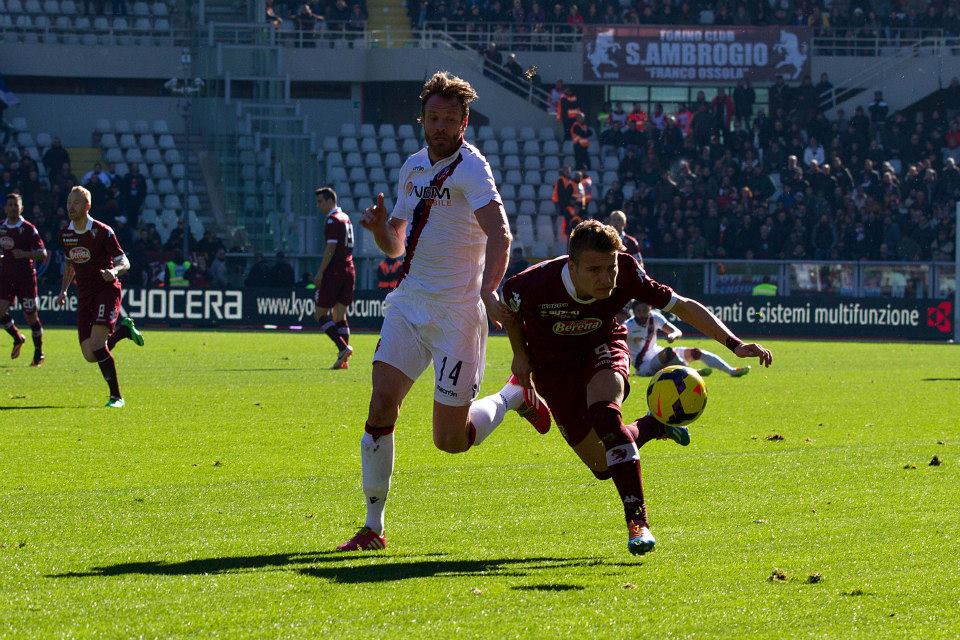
<point x="336" y="276"/>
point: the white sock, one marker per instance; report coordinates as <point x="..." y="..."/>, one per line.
<point x="376" y="460"/>
<point x="487" y="413"/>
<point x="715" y="361"/>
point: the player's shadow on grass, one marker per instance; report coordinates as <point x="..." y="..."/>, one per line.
<point x="201" y="566"/>
<point x="37" y="406"/>
<point x="244" y="370"/>
<point x="394" y="571"/>
<point x="549" y="587"/>
<point x="940" y="379"/>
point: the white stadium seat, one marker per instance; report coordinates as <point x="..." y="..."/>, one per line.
<point x="160" y="9"/>
<point x="165" y="187"/>
<point x="513" y="177"/>
<point x="348" y="131"/>
<point x="43" y="140"/>
<point x="547" y="133"/>
<point x="386" y="131"/>
<point x="511" y="162"/>
<point x="141" y="9"/>
<point x="68" y="7"/>
<point x="485" y="133"/>
<point x="531" y="147"/>
<point x="121" y="126"/>
<point x="532" y="178"/>
<point x="172" y="156"/>
<point x="159" y="171"/>
<point x="392" y="160"/>
<point x="14" y="6"/>
<point x="368" y="145"/>
<point x="354" y="159"/>
<point x="127" y="141"/>
<point x="388" y="145"/>
<point x="349" y="144"/>
<point x="405" y="131"/>
<point x="166" y="142"/>
<point x="172" y="201"/>
<point x="526" y="192"/>
<point x="508" y="133"/>
<point x="113" y="154"/>
<point x="510" y="146"/>
<point x="152" y="156"/>
<point x="410" y="146"/>
<point x="149" y="216"/>
<point x="358" y="174"/>
<point x="147" y="141"/>
<point x="508" y="191"/>
<point x="377" y="175"/>
<point x="531" y="163"/>
<point x="160" y="127"/>
<point x="178" y="171"/>
<point x="367" y="131"/>
<point x="33" y="6"/>
<point x="527" y="208"/>
<point x="330" y="143"/>
<point x="151" y="201"/>
<point x="527" y="133"/>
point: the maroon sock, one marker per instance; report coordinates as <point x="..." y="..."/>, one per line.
<point x="9" y="326"/>
<point x="645" y="429"/>
<point x="330" y="328"/>
<point x="108" y="367"/>
<point x="343" y="329"/>
<point x="36" y="330"/>
<point x="622" y="458"/>
<point x="120" y="333"/>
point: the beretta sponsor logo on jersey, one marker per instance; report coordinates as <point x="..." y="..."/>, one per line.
<point x="576" y="327"/>
<point x="79" y="255"/>
<point x="6" y="242"/>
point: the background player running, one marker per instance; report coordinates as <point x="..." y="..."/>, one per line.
<point x="95" y="259"/>
<point x="21" y="245"/>
<point x="561" y="317"/>
<point x="648" y="357"/>
<point x="336" y="277"/>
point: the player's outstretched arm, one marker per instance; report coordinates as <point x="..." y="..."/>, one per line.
<point x="388" y="233"/>
<point x="671" y="332"/>
<point x="494" y="223"/>
<point x="520" y="366"/>
<point x="691" y="311"/>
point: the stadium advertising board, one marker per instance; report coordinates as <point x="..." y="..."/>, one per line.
<point x="795" y="316"/>
<point x="835" y="317"/>
<point x="251" y="308"/>
<point x="651" y="55"/>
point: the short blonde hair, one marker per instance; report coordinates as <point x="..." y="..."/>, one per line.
<point x="592" y="235"/>
<point x="447" y="85"/>
<point x="82" y="191"/>
<point x="619" y="216"/>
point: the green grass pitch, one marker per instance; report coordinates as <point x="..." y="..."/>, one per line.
<point x="209" y="506"/>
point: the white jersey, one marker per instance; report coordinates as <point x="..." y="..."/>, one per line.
<point x="642" y="338"/>
<point x="445" y="244"/>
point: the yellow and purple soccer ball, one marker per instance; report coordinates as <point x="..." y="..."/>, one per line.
<point x="677" y="395"/>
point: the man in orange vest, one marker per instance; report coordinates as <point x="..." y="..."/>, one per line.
<point x="566" y="195"/>
<point x="567" y="109"/>
<point x="581" y="133"/>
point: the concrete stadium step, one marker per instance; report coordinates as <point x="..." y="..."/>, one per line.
<point x="391" y="16"/>
<point x="82" y="159"/>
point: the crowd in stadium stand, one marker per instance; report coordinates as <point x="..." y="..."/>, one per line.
<point x="330" y="17"/>
<point x="711" y="181"/>
<point x="856" y="18"/>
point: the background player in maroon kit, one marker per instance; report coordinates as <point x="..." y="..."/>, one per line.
<point x="20" y="244"/>
<point x="95" y="259"/>
<point x="336" y="276"/>
<point x="566" y="339"/>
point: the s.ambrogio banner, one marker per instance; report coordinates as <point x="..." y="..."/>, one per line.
<point x="748" y="316"/>
<point x="695" y="54"/>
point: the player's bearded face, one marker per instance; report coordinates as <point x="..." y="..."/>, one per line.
<point x="443" y="126"/>
<point x="77" y="207"/>
<point x="594" y="274"/>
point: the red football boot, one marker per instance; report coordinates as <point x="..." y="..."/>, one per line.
<point x="534" y="410"/>
<point x="364" y="540"/>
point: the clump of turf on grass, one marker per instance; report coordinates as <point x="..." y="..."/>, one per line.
<point x="814" y="578"/>
<point x="476" y="591"/>
<point x="855" y="592"/>
<point x="909" y="466"/>
<point x="773" y="437"/>
<point x="935" y="462"/>
<point x="778" y="576"/>
<point x="629" y="585"/>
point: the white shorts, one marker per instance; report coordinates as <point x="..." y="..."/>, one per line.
<point x="651" y="363"/>
<point x="417" y="329"/>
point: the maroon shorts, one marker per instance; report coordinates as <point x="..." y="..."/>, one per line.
<point x="564" y="387"/>
<point x="103" y="308"/>
<point x="336" y="288"/>
<point x="23" y="288"/>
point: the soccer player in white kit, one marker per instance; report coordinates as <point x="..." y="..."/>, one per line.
<point x="648" y="357"/>
<point x="450" y="223"/>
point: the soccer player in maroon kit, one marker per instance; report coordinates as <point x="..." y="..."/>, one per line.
<point x="336" y="276"/>
<point x="566" y="340"/>
<point x="95" y="259"/>
<point x="20" y="244"/>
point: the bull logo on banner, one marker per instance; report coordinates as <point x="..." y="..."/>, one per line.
<point x="599" y="51"/>
<point x="794" y="55"/>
